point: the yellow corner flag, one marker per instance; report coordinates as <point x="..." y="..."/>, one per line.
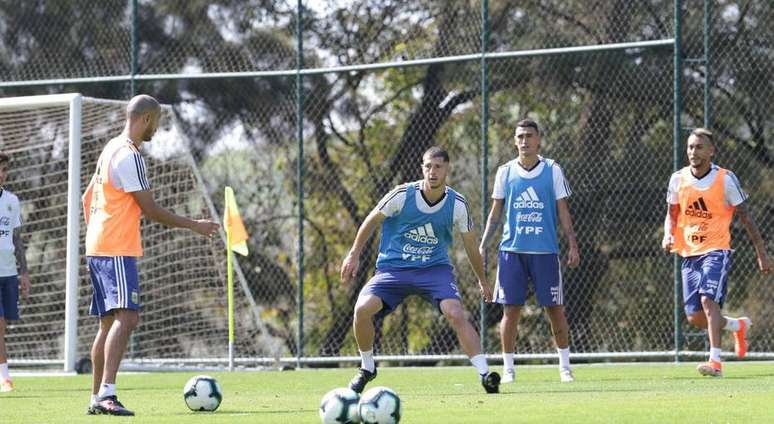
<point x="236" y="241"/>
<point x="232" y="221"/>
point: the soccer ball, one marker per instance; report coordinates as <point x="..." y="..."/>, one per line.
<point x="380" y="405"/>
<point x="202" y="393"/>
<point x="339" y="406"/>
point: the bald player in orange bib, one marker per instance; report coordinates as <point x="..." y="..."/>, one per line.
<point x="117" y="196"/>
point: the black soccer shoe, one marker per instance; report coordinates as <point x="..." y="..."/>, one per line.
<point x="491" y="382"/>
<point x="109" y="405"/>
<point x="362" y="378"/>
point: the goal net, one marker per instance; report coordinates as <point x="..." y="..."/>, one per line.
<point x="182" y="275"/>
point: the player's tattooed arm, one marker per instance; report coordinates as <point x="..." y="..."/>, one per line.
<point x="565" y="218"/>
<point x="351" y="263"/>
<point x="21" y="262"/>
<point x="670" y="221"/>
<point x="764" y="261"/>
<point x="20" y="252"/>
<point x="492" y="224"/>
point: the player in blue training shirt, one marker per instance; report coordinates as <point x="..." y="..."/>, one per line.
<point x="417" y="221"/>
<point x="532" y="191"/>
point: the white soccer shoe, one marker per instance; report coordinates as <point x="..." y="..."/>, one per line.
<point x="509" y="376"/>
<point x="565" y="375"/>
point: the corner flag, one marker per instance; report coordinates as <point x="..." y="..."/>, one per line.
<point x="236" y="241"/>
<point x="232" y="221"/>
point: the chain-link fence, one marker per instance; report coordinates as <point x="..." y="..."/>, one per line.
<point x="383" y="80"/>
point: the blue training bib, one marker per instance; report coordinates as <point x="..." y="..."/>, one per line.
<point x="530" y="212"/>
<point x="414" y="239"/>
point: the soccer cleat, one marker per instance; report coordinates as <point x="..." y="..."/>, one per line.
<point x="6" y="386"/>
<point x="565" y="375"/>
<point x="91" y="410"/>
<point x="360" y="380"/>
<point x="710" y="368"/>
<point x="491" y="382"/>
<point x="740" y="340"/>
<point x="509" y="376"/>
<point x="109" y="405"/>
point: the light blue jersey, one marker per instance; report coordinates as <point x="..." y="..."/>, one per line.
<point x="414" y="239"/>
<point x="530" y="212"/>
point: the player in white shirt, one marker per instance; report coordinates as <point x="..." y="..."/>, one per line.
<point x="531" y="192"/>
<point x="393" y="202"/>
<point x="13" y="266"/>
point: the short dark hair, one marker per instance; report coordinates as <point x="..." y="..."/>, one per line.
<point x="4" y="157"/>
<point x="436" y="152"/>
<point x="528" y="123"/>
<point x="703" y="133"/>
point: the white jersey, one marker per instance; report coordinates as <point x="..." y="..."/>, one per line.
<point x="561" y="187"/>
<point x="393" y="202"/>
<point x="10" y="219"/>
<point x="733" y="192"/>
<point x="127" y="171"/>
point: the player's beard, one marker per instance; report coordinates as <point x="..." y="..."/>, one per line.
<point x="697" y="163"/>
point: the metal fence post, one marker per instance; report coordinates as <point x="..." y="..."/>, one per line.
<point x="300" y="176"/>
<point x="484" y="149"/>
<point x="133" y="49"/>
<point x="707" y="64"/>
<point x="676" y="133"/>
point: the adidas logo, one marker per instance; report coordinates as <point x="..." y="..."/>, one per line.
<point x="528" y="200"/>
<point x="698" y="209"/>
<point x="423" y="234"/>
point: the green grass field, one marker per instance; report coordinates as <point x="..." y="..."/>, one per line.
<point x="650" y="393"/>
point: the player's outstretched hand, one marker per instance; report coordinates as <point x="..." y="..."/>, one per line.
<point x="486" y="291"/>
<point x="573" y="257"/>
<point x="205" y="227"/>
<point x="667" y="243"/>
<point x="24" y="283"/>
<point x="349" y="268"/>
<point x="765" y="264"/>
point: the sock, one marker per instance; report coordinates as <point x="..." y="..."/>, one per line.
<point x="714" y="354"/>
<point x="106" y="390"/>
<point x="479" y="361"/>
<point x="507" y="361"/>
<point x="4" y="371"/>
<point x="367" y="360"/>
<point x="732" y="324"/>
<point x="564" y="358"/>
<point x="94" y="399"/>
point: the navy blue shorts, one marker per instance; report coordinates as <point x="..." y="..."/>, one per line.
<point x="705" y="275"/>
<point x="392" y="286"/>
<point x="516" y="270"/>
<point x="115" y="284"/>
<point x="9" y="297"/>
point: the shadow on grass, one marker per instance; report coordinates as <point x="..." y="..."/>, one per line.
<point x="237" y="412"/>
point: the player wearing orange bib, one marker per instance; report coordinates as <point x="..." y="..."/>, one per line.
<point x="118" y="194"/>
<point x="702" y="199"/>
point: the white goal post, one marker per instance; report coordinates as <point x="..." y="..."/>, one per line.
<point x="73" y="102"/>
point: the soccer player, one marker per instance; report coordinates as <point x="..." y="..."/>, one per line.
<point x="417" y="221"/>
<point x="702" y="199"/>
<point x="13" y="266"/>
<point x="531" y="190"/>
<point x="118" y="194"/>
